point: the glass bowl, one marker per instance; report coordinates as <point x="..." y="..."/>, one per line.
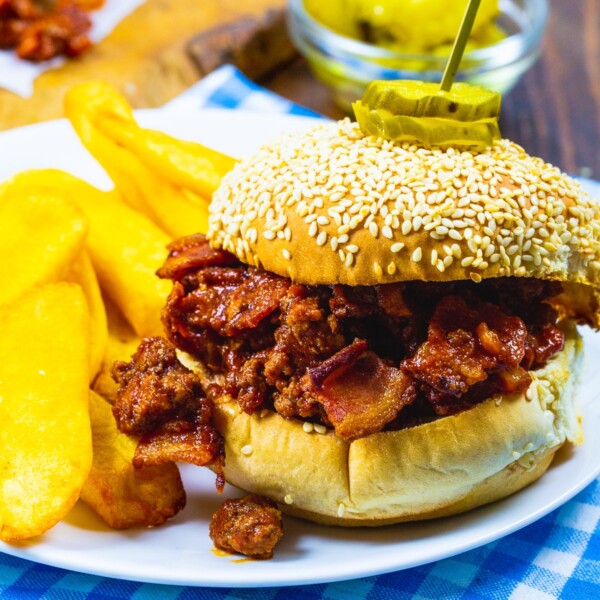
<point x="347" y="65"/>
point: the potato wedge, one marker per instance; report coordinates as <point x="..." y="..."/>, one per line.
<point x="125" y="247"/>
<point x="177" y="209"/>
<point x="83" y="274"/>
<point x="123" y="496"/>
<point x="45" y="435"/>
<point x="41" y="234"/>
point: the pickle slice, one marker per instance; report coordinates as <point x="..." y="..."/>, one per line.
<point x="464" y="102"/>
<point x="416" y="111"/>
<point x="427" y="131"/>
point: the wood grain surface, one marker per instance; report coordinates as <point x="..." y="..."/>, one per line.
<point x="554" y="111"/>
<point x="145" y="57"/>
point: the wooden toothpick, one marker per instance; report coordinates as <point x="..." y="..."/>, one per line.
<point x="459" y="45"/>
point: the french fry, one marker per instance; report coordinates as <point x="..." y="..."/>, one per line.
<point x="83" y="274"/>
<point x="186" y="164"/>
<point x="123" y="496"/>
<point x="45" y="435"/>
<point x="125" y="247"/>
<point x="166" y="187"/>
<point x="41" y="234"/>
<point x="122" y="344"/>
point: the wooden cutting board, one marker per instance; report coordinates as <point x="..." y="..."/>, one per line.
<point x="146" y="57"/>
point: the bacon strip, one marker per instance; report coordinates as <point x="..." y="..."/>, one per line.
<point x="344" y="358"/>
<point x="254" y="300"/>
<point x="190" y="253"/>
<point x="362" y="396"/>
<point x="179" y="441"/>
<point x="464" y="344"/>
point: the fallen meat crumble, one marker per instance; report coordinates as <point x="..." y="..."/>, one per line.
<point x="251" y="525"/>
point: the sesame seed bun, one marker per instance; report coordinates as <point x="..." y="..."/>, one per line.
<point x="335" y="206"/>
<point x="414" y="473"/>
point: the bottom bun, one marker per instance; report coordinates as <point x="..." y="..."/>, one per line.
<point x="441" y="468"/>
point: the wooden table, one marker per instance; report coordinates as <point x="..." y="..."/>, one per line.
<point x="145" y="57"/>
<point x="554" y="111"/>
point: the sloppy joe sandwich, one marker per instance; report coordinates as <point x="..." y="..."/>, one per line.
<point x="385" y="331"/>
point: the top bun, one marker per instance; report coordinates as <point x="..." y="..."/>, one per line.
<point x="333" y="205"/>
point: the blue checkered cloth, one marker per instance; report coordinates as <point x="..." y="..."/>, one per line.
<point x="555" y="557"/>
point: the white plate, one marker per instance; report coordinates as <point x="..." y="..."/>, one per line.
<point x="180" y="551"/>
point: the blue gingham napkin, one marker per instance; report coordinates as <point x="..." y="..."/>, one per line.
<point x="555" y="557"/>
<point x="228" y="88"/>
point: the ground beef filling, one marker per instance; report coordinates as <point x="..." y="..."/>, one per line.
<point x="358" y="359"/>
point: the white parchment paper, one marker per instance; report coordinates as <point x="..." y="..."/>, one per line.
<point x="18" y="75"/>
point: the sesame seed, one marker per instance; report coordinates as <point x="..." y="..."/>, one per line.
<point x="417" y="255"/>
<point x="341" y="510"/>
<point x="320" y="428"/>
<point x="269" y="235"/>
<point x="377" y="268"/>
<point x="288" y="499"/>
<point x="246" y="450"/>
<point x="391" y="268"/>
<point x="286" y="254"/>
<point x="467" y="261"/>
<point x="395" y="248"/>
<point x="308" y="427"/>
<point x="322" y="238"/>
<point x="386" y="230"/>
